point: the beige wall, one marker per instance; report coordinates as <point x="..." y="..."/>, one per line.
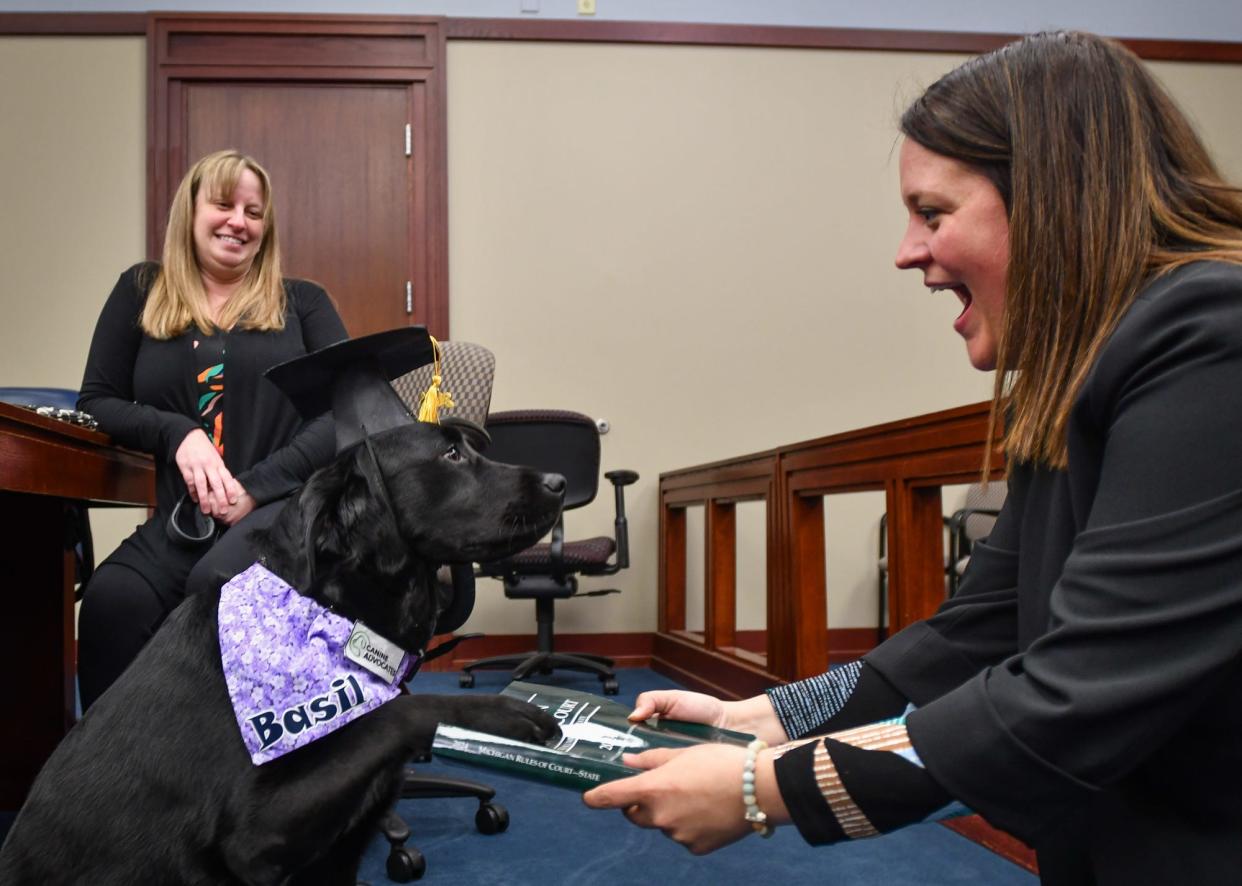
<point x="694" y="243"/>
<point x="73" y="155"/>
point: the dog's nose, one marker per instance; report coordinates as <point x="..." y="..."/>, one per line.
<point x="554" y="483"/>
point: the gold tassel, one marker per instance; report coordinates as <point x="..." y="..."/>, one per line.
<point x="434" y="399"/>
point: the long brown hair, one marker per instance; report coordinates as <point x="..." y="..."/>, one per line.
<point x="177" y="298"/>
<point x="1107" y="185"/>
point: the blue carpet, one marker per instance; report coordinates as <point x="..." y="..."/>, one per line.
<point x="554" y="839"/>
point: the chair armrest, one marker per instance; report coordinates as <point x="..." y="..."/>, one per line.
<point x="621" y="477"/>
<point x="556" y="548"/>
<point x="957" y="522"/>
<point x="959" y="544"/>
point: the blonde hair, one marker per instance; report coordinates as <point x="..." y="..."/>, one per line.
<point x="1107" y="186"/>
<point x="177" y="298"/>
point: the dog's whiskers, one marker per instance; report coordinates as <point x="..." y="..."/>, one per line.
<point x="519" y="525"/>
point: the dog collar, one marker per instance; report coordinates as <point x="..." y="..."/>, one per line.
<point x="296" y="671"/>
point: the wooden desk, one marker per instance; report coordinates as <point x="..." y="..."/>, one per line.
<point x="45" y="464"/>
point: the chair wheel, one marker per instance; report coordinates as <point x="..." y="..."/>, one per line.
<point x="492" y="818"/>
<point x="611" y="687"/>
<point x="406" y="865"/>
<point x="465" y="681"/>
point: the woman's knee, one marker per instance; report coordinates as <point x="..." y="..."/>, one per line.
<point x="120" y="598"/>
<point x="232" y="554"/>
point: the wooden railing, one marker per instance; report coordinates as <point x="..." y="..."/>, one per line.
<point x="908" y="459"/>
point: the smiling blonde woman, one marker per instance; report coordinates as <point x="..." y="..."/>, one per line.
<point x="175" y="369"/>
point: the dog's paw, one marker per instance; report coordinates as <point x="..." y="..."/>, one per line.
<point x="509" y="717"/>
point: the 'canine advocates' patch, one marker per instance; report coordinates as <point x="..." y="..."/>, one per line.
<point x="286" y="666"/>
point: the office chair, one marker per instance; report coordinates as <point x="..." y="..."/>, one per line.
<point x="972" y="523"/>
<point x="62" y="404"/>
<point x="467" y="371"/>
<point x="566" y="443"/>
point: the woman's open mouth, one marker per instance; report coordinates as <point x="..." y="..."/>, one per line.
<point x="963" y="295"/>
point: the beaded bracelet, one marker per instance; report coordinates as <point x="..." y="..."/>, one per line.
<point x="757" y="817"/>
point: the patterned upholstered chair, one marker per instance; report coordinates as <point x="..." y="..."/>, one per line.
<point x="566" y="443"/>
<point x="971" y="524"/>
<point x="967" y="525"/>
<point x="466" y="372"/>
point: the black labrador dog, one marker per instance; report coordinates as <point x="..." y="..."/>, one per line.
<point x="154" y="784"/>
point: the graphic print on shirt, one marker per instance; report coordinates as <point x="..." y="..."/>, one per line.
<point x="209" y="360"/>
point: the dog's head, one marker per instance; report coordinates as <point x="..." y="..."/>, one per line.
<point x="368" y="532"/>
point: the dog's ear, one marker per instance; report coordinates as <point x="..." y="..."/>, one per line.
<point x="349" y="527"/>
<point x="477" y="437"/>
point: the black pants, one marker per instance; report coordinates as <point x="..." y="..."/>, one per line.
<point x="134" y="590"/>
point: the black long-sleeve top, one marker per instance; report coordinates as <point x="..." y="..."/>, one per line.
<point x="144" y="394"/>
<point x="1083" y="689"/>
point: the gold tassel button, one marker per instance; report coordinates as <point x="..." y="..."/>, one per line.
<point x="434" y="399"/>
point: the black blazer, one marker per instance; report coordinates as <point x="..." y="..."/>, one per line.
<point x="144" y="394"/>
<point x="1084" y="689"/>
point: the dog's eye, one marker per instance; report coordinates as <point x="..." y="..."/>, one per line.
<point x="453" y="454"/>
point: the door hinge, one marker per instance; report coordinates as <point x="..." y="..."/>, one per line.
<point x="409" y="297"/>
<point x="409" y="141"/>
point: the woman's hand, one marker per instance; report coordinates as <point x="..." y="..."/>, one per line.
<point x="693" y="795"/>
<point x="678" y="704"/>
<point x="752" y="715"/>
<point x="245" y="504"/>
<point x="207" y="480"/>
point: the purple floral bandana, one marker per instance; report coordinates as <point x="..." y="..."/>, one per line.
<point x="285" y="666"/>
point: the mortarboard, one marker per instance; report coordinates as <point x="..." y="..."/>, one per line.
<point x="352" y="377"/>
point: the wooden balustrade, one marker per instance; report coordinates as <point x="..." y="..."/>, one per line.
<point x="908" y="459"/>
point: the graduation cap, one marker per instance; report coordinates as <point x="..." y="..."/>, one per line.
<point x="352" y="377"/>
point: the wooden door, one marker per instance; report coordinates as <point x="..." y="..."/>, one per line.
<point x="343" y="184"/>
<point x="347" y="116"/>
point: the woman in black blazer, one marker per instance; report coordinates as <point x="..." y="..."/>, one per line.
<point x="1082" y="691"/>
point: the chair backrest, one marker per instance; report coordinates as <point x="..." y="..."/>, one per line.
<point x="466" y="372"/>
<point x="989" y="498"/>
<point x="61" y="398"/>
<point x="555" y="441"/>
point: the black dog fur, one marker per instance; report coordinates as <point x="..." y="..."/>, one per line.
<point x="154" y="784"/>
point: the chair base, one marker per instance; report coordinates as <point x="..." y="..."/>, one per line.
<point x="544" y="663"/>
<point x="544" y="660"/>
<point x="405" y="863"/>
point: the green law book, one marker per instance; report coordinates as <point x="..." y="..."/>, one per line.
<point x="595" y="732"/>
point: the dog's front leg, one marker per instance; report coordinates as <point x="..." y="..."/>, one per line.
<point x="299" y="812"/>
<point x="307" y="808"/>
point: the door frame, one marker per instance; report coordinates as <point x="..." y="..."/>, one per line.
<point x="408" y="51"/>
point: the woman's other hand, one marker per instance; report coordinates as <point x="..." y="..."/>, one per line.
<point x="693" y="795"/>
<point x="245" y="504"/>
<point x="755" y="715"/>
<point x="678" y="704"/>
<point x="207" y="480"/>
